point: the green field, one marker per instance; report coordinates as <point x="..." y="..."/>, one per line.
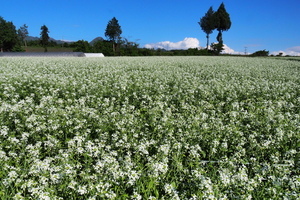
<point x="149" y="128"/>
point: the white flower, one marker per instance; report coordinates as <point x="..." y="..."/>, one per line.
<point x="133" y="176"/>
<point x="136" y="196"/>
<point x="13" y="175"/>
<point x="72" y="185"/>
<point x="160" y="167"/>
<point x="55" y="178"/>
<point x="82" y="190"/>
<point x="18" y="196"/>
<point x="225" y="176"/>
<point x="44" y="195"/>
<point x="4" y="131"/>
<point x="164" y="148"/>
<point x="168" y="188"/>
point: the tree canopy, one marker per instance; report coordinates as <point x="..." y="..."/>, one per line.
<point x="207" y="23"/>
<point x="113" y="31"/>
<point x="8" y="36"/>
<point x="222" y="21"/>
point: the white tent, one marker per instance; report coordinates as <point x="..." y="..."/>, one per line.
<point x="94" y="55"/>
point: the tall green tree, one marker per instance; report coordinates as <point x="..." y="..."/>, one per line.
<point x="8" y="36"/>
<point x="207" y="23"/>
<point x="113" y="31"/>
<point x="45" y="37"/>
<point x="222" y="21"/>
<point x="23" y="33"/>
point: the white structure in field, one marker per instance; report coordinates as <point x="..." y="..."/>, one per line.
<point x="94" y="55"/>
<point x="50" y="54"/>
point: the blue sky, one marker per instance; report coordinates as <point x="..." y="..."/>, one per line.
<point x="257" y="24"/>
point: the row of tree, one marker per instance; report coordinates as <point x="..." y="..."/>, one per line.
<point x="13" y="40"/>
<point x="115" y="45"/>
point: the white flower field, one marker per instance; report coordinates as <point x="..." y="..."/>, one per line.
<point x="149" y="128"/>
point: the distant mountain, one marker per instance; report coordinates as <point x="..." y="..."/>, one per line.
<point x="32" y="38"/>
<point x="96" y="40"/>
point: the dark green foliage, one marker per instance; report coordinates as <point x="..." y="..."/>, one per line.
<point x="81" y="46"/>
<point x="103" y="46"/>
<point x="207" y="23"/>
<point x="129" y="48"/>
<point x="260" y="53"/>
<point x="217" y="48"/>
<point x="223" y="22"/>
<point x="8" y="36"/>
<point x="113" y="29"/>
<point x="45" y="37"/>
<point x="192" y="52"/>
<point x="51" y="43"/>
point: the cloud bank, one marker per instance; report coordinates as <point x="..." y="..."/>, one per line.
<point x="190" y="42"/>
<point x="184" y="44"/>
<point x="228" y="50"/>
<point x="293" y="51"/>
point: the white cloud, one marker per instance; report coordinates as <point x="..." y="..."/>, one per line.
<point x="275" y="53"/>
<point x="185" y="44"/>
<point x="293" y="51"/>
<point x="228" y="50"/>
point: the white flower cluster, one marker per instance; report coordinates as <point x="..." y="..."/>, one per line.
<point x="149" y="128"/>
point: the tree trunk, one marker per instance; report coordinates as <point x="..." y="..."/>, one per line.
<point x="207" y="36"/>
<point x="219" y="37"/>
<point x="113" y="46"/>
<point x="25" y="42"/>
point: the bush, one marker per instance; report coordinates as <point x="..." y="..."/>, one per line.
<point x="261" y="53"/>
<point x="217" y="48"/>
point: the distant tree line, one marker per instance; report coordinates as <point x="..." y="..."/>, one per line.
<point x="12" y="39"/>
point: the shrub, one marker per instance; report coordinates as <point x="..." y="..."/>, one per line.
<point x="261" y="53"/>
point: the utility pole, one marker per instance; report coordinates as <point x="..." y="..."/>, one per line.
<point x="246" y="50"/>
